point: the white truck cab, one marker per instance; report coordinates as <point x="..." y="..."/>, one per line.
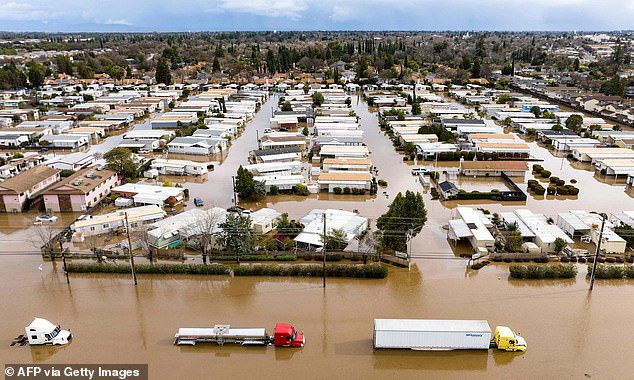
<point x="41" y="331"/>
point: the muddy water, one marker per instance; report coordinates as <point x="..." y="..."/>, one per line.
<point x="569" y="332"/>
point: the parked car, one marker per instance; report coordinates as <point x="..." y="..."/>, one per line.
<point x="144" y="151"/>
<point x="268" y="130"/>
<point x="199" y="202"/>
<point x="283" y="129"/>
<point x="46" y="218"/>
<point x="419" y="171"/>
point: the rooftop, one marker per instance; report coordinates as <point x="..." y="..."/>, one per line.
<point x="27" y="179"/>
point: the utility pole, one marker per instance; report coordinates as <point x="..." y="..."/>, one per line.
<point x="596" y="253"/>
<point x="127" y="230"/>
<point x="324" y="250"/>
<point x="61" y="248"/>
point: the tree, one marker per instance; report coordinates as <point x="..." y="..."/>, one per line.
<point x="305" y="130"/>
<point x="288" y="228"/>
<point x="121" y="161"/>
<point x="536" y="111"/>
<point x="560" y="244"/>
<point x="318" y="98"/>
<point x="248" y="188"/>
<point x="287" y="107"/>
<point x="36" y="74"/>
<point x="574" y="122"/>
<point x="513" y="238"/>
<point x="404" y="219"/>
<point x="116" y="72"/>
<point x="237" y="236"/>
<point x="416" y="108"/>
<point x="204" y="231"/>
<point x="336" y="240"/>
<point x="215" y="67"/>
<point x="163" y="74"/>
<point x="476" y="68"/>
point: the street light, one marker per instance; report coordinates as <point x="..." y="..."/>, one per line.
<point x="596" y="253"/>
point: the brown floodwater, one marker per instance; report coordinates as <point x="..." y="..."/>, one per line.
<point x="570" y="332"/>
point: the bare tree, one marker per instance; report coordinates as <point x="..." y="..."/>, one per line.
<point x="140" y="235"/>
<point x="203" y="231"/>
<point x="45" y="239"/>
<point x="94" y="243"/>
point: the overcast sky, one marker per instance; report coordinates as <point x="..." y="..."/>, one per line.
<point x="222" y="15"/>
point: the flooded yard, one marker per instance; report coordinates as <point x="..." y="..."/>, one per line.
<point x="568" y="330"/>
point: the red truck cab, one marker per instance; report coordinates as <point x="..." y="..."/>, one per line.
<point x="286" y="336"/>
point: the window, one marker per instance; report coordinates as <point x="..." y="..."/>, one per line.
<point x="106" y="225"/>
<point x="92" y="228"/>
<point x="33" y="336"/>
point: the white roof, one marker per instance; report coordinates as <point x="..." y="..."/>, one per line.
<point x="474" y="220"/>
<point x="349" y="222"/>
<point x="41" y="324"/>
<point x="443" y="325"/>
<point x="140" y="188"/>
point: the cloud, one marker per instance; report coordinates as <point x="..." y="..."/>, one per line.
<point x="115" y="22"/>
<point x="22" y="12"/>
<point x="281" y="8"/>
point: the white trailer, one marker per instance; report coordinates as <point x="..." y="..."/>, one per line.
<point x="41" y="331"/>
<point x="428" y="334"/>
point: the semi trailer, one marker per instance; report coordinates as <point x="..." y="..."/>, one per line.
<point x="429" y="334"/>
<point x="284" y="335"/>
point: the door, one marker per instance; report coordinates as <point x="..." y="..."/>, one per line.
<point x="2" y="206"/>
<point x="64" y="203"/>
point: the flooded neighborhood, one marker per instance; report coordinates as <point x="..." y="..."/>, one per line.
<point x="330" y="217"/>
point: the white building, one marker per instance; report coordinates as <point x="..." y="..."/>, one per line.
<point x="311" y="237"/>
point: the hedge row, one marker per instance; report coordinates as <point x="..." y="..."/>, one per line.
<point x="543" y="271"/>
<point x="374" y="270"/>
<point x="149" y="268"/>
<point x="612" y="271"/>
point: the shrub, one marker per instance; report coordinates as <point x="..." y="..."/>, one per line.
<point x="542" y="271"/>
<point x="553" y="179"/>
<point x="551" y="190"/>
<point x="539" y="190"/>
<point x="356" y="191"/>
<point x="573" y="181"/>
<point x="629" y="271"/>
<point x="286" y="257"/>
<point x="334" y="257"/>
<point x="337" y="190"/>
<point x="274" y="190"/>
<point x="608" y="271"/>
<point x="561" y="182"/>
<point x="382" y="182"/>
<point x="545" y="173"/>
<point x="346" y="190"/>
<point x="149" y="268"/>
<point x="537" y="168"/>
<point x="562" y="190"/>
<point x="374" y="270"/>
<point x="300" y="189"/>
<point x="481" y="264"/>
<point x="572" y="190"/>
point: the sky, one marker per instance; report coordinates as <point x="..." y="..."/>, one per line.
<point x="257" y="15"/>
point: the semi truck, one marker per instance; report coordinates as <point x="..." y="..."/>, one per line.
<point x="284" y="335"/>
<point x="41" y="331"/>
<point x="430" y="334"/>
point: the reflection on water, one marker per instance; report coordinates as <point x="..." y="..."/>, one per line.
<point x="470" y="360"/>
